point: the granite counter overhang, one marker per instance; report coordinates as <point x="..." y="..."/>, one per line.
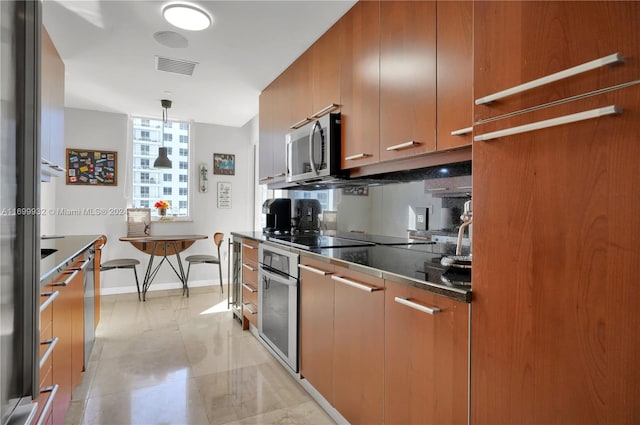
<point x="67" y="249"/>
<point x="382" y="261"/>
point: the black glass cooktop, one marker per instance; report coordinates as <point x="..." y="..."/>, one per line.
<point x="313" y="241"/>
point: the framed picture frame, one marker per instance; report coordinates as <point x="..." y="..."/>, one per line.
<point x="224" y="195"/>
<point x="89" y="167"/>
<point x="224" y="163"/>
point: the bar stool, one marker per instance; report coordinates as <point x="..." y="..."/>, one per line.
<point x="122" y="263"/>
<point x="208" y="259"/>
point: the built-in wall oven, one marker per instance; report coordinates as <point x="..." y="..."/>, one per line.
<point x="278" y="302"/>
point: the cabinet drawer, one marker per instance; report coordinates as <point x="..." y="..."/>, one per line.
<point x="45" y="401"/>
<point x="250" y="312"/>
<point x="250" y="274"/>
<point x="249" y="293"/>
<point x="250" y="252"/>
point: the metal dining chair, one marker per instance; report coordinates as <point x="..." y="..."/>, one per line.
<point x="208" y="259"/>
<point x="121" y="263"/>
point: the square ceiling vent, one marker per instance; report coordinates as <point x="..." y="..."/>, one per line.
<point x="176" y="66"/>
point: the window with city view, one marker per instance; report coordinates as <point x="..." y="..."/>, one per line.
<point x="151" y="184"/>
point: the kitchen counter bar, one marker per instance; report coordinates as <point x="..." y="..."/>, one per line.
<point x="405" y="265"/>
<point x="66" y="249"/>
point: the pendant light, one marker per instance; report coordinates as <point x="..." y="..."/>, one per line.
<point x="163" y="161"/>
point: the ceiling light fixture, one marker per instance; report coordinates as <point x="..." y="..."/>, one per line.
<point x="186" y="16"/>
<point x="163" y="161"/>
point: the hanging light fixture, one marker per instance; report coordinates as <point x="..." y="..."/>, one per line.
<point x="163" y="161"/>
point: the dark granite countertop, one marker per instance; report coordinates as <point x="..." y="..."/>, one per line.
<point x="417" y="265"/>
<point x="67" y="248"/>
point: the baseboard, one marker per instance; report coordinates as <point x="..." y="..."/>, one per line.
<point x="157" y="287"/>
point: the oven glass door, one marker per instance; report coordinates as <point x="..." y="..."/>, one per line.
<point x="277" y="315"/>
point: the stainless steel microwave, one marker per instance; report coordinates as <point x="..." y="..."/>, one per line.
<point x="313" y="151"/>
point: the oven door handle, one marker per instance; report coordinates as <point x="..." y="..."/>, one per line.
<point x="281" y="279"/>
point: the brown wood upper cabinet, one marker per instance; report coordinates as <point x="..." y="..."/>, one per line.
<point x="407" y="78"/>
<point x="326" y="69"/>
<point x="52" y="110"/>
<point x="455" y="74"/>
<point x="273" y="119"/>
<point x="359" y="85"/>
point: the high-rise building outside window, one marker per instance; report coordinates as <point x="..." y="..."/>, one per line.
<point x="151" y="184"/>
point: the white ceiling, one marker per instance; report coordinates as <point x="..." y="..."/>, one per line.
<point x="109" y="54"/>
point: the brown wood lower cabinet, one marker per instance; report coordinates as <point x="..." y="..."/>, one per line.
<point x="358" y="346"/>
<point x="67" y="325"/>
<point x="426" y="357"/>
<point x="249" y="283"/>
<point x="316" y="325"/>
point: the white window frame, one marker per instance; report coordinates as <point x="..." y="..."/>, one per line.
<point x="175" y="172"/>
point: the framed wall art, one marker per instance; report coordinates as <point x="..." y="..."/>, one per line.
<point x="224" y="163"/>
<point x="92" y="167"/>
<point x="224" y="195"/>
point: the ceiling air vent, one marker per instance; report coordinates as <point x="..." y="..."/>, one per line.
<point x="175" y="65"/>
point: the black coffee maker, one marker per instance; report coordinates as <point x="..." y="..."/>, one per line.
<point x="277" y="216"/>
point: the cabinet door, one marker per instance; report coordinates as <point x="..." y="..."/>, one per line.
<point x="326" y="69"/>
<point x="266" y="134"/>
<point x="316" y="325"/>
<point x="299" y="91"/>
<point x="250" y="284"/>
<point x="359" y="347"/>
<point x="273" y="119"/>
<point x="517" y="42"/>
<point x="455" y="73"/>
<point x="76" y="287"/>
<point x="62" y="313"/>
<point x="426" y="358"/>
<point x="407" y="78"/>
<point x="554" y="335"/>
<point x="359" y="85"/>
<point x="52" y="103"/>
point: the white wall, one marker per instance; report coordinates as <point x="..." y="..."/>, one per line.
<point x="107" y="131"/>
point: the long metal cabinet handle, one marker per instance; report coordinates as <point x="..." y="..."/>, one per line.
<point x="356" y="156"/>
<point x="280" y="175"/>
<point x="300" y="124"/>
<point x="538" y="125"/>
<point x="356" y="285"/>
<point x="252" y="311"/>
<point x="68" y="280"/>
<point x="462" y="131"/>
<point x="570" y="72"/>
<point x="416" y="306"/>
<point x="249" y="288"/>
<point x="52" y="344"/>
<point x="248" y="246"/>
<point x="325" y="110"/>
<point x="52" y="296"/>
<point x="404" y="145"/>
<point x="264" y="179"/>
<point x="312" y="160"/>
<point x="314" y="270"/>
<point x="47" y="406"/>
<point x="246" y="266"/>
<point x="280" y="279"/>
<point x="84" y="265"/>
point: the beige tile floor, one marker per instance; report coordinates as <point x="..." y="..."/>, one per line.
<point x="178" y="360"/>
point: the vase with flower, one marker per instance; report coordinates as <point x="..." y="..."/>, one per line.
<point x="162" y="207"/>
